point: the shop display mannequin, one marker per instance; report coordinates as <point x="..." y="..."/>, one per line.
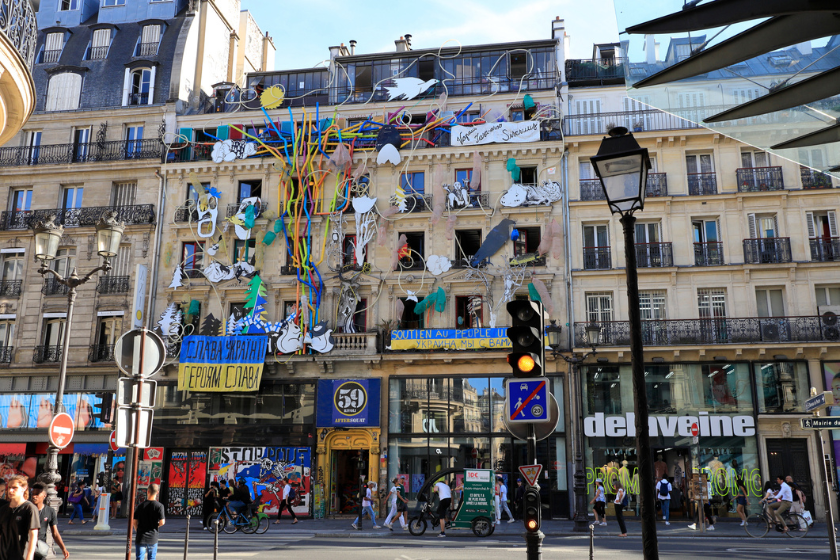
<point x="660" y="468"/>
<point x="624" y="475"/>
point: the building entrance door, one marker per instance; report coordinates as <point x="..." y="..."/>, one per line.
<point x="344" y="467"/>
<point x="789" y="456"/>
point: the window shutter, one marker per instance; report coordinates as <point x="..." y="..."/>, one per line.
<point x="126" y="86"/>
<point x="101" y="38"/>
<point x="809" y="219"/>
<point x="151" y="34"/>
<point x="63" y="92"/>
<point x="55" y="41"/>
<point x="832" y="224"/>
<point x="752" y="226"/>
<point x="124" y="194"/>
<point x="152" y="85"/>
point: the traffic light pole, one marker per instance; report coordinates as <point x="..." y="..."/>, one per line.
<point x="533" y="539"/>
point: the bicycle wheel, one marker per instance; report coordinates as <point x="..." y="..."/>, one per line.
<point x="251" y="527"/>
<point x="263" y="524"/>
<point x="219" y="522"/>
<point x="757" y="526"/>
<point x="416" y="526"/>
<point x="231" y="526"/>
<point x="797" y="526"/>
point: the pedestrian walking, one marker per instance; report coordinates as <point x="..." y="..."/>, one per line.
<point x="394" y="499"/>
<point x="518" y="497"/>
<point x="149" y="517"/>
<point x="600" y="503"/>
<point x="76" y="499"/>
<point x="117" y="488"/>
<point x="286" y="502"/>
<point x="622" y="500"/>
<point x="742" y="500"/>
<point x="663" y="492"/>
<point x="210" y="505"/>
<point x="98" y="490"/>
<point x="503" y="498"/>
<point x="367" y="506"/>
<point x="402" y="506"/>
<point x="48" y="521"/>
<point x="445" y="499"/>
<point x="18" y="522"/>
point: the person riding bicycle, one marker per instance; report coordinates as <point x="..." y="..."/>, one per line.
<point x="785" y="497"/>
<point x="241" y="497"/>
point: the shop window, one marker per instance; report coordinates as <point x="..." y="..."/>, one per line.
<point x="469" y="312"/>
<point x="781" y="387"/>
<point x="409" y="320"/>
<point x="415" y="242"/>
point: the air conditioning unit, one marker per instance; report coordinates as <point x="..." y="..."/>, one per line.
<point x="830" y="321"/>
<point x="770" y="332"/>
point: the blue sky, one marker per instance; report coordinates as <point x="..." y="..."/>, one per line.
<point x="303" y="30"/>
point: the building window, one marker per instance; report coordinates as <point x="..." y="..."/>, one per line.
<point x="781" y="387"/>
<point x="652" y="305"/>
<point x="360" y="316"/>
<point x="348" y="253"/>
<point x="469" y="312"/>
<point x="140" y="85"/>
<point x="518" y="65"/>
<point x="67" y="5"/>
<point x="415" y="242"/>
<point x="192" y="255"/>
<point x="33" y="144"/>
<point x="711" y="303"/>
<point x="149" y="41"/>
<point x="53" y="334"/>
<point x="363" y="81"/>
<point x="248" y="189"/>
<point x="699" y="163"/>
<point x="123" y="194"/>
<point x="527" y="242"/>
<point x="763" y="226"/>
<point x="467" y="243"/>
<point x="528" y="175"/>
<point x="827" y="295"/>
<point x="599" y="308"/>
<point x="409" y="320"/>
<point x="236" y="312"/>
<point x="413" y="182"/>
<point x="21" y="200"/>
<point x="464" y="176"/>
<point x="99" y="44"/>
<point x="53" y="46"/>
<point x="770" y="303"/>
<point x="245" y="250"/>
<point x="71" y="198"/>
<point x="81" y="139"/>
<point x="63" y="92"/>
<point x="7" y="333"/>
<point x="121" y="263"/>
<point x="13" y="266"/>
<point x="108" y="332"/>
<point x="65" y="261"/>
<point x="112" y="3"/>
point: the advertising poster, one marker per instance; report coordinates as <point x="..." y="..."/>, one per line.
<point x="348" y="403"/>
<point x="186" y="482"/>
<point x="263" y="468"/>
<point x="22" y="411"/>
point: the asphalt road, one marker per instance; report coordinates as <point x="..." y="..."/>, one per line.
<point x="404" y="547"/>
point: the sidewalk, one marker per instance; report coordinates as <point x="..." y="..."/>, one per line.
<point x="340" y="528"/>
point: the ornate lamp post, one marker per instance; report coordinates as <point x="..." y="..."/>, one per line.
<point x="622" y="167"/>
<point x="47" y="238"/>
<point x="592" y="333"/>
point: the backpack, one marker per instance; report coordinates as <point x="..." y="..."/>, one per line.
<point x="291" y="492"/>
<point x="664" y="489"/>
<point x="626" y="500"/>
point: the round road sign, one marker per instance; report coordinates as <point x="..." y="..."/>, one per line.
<point x="474" y="453"/>
<point x="61" y="430"/>
<point x="127" y="353"/>
<point x="695" y="430"/>
<point x="543" y="429"/>
<point x="113" y="441"/>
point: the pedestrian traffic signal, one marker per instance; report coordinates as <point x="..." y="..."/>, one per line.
<point x="527" y="337"/>
<point x="533" y="510"/>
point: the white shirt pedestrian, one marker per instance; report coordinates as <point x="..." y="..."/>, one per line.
<point x="501" y="502"/>
<point x="393" y="498"/>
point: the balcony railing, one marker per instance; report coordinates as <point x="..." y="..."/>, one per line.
<point x="52" y="287"/>
<point x="701" y="184"/>
<point x="825" y="249"/>
<point x="10" y="288"/>
<point x="138" y="98"/>
<point x="654" y="255"/>
<point x="596" y="258"/>
<point x="656" y="185"/>
<point x="477" y="200"/>
<point x="148" y="49"/>
<point x="232" y="209"/>
<point x="19" y="26"/>
<point x="814" y="179"/>
<point x="101" y="353"/>
<point x="98" y="53"/>
<point x="51" y="56"/>
<point x="638" y="121"/>
<point x="355" y="343"/>
<point x="595" y="71"/>
<point x="116" y="150"/>
<point x="6" y="354"/>
<point x="767" y="250"/>
<point x="590" y="189"/>
<point x="708" y="254"/>
<point x="760" y="179"/>
<point x="113" y="284"/>
<point x="138" y="214"/>
<point x="183" y="215"/>
<point x="539" y="261"/>
<point x="721" y="330"/>
<point x="288" y="270"/>
<point x="47" y="354"/>
<point x="465" y="262"/>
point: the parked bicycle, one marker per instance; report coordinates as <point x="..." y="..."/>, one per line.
<point x="759" y="524"/>
<point x="248" y="520"/>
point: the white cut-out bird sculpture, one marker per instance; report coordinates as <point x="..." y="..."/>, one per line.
<point x="409" y="88"/>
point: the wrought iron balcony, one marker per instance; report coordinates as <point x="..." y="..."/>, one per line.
<point x="814" y="179"/>
<point x="595" y="71"/>
<point x="767" y="250"/>
<point x="636" y="121"/>
<point x="10" y="288"/>
<point x="825" y="249"/>
<point x="232" y="209"/>
<point x="6" y="354"/>
<point x="113" y="284"/>
<point x="701" y="184"/>
<point x="20" y="27"/>
<point x="101" y="353"/>
<point x="760" y="179"/>
<point x="590" y="189"/>
<point x="184" y="215"/>
<point x="52" y="287"/>
<point x="117" y="150"/>
<point x="719" y="330"/>
<point x="138" y="214"/>
<point x="138" y="98"/>
<point x="656" y="185"/>
<point x="596" y="258"/>
<point x="98" y="53"/>
<point x="708" y="254"/>
<point x="418" y="203"/>
<point x="148" y="49"/>
<point x="51" y="56"/>
<point x="477" y="200"/>
<point x="47" y="354"/>
<point x="653" y="255"/>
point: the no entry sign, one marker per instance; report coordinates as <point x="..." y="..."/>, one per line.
<point x="113" y="441"/>
<point x="61" y="430"/>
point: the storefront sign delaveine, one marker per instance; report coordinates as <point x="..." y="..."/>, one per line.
<point x="449" y="339"/>
<point x="498" y="132"/>
<point x="221" y="363"/>
<point x="348" y="402"/>
<point x="600" y="425"/>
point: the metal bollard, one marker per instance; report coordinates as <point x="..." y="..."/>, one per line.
<point x="187" y="538"/>
<point x="216" y="538"/>
<point x="592" y="542"/>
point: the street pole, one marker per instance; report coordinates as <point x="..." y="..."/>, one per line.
<point x="650" y="547"/>
<point x="829" y="508"/>
<point x="135" y="456"/>
<point x="533" y="540"/>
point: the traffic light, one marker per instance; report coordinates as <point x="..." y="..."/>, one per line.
<point x="527" y="335"/>
<point x="533" y="510"/>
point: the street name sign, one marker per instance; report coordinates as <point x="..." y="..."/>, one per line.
<point x="527" y="400"/>
<point x="819" y="402"/>
<point x="832" y="423"/>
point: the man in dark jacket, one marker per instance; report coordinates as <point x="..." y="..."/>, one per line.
<point x="241" y="497"/>
<point x="518" y="497"/>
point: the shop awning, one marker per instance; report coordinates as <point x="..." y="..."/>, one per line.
<point x="12" y="449"/>
<point x="90" y="449"/>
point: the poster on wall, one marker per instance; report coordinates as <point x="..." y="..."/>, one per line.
<point x="497" y="132"/>
<point x="831" y="370"/>
<point x="22" y="411"/>
<point x="186" y="481"/>
<point x="449" y="339"/>
<point x="263" y="468"/>
<point x="150" y="467"/>
<point x="348" y="403"/>
<point x="221" y="363"/>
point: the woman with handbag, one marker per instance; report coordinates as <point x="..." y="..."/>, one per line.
<point x="76" y="498"/>
<point x="622" y="500"/>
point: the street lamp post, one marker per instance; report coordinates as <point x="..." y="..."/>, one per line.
<point x="592" y="332"/>
<point x="622" y="167"/>
<point x="47" y="238"/>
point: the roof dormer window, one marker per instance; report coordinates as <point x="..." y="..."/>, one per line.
<point x="53" y="47"/>
<point x="100" y="43"/>
<point x="149" y="41"/>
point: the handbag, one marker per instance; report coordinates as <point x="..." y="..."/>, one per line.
<point x="807" y="516"/>
<point x="42" y="549"/>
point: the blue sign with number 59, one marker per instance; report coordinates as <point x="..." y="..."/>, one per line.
<point x="348" y="402"/>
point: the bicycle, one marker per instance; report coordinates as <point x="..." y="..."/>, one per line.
<point x="249" y="521"/>
<point x="417" y="525"/>
<point x="758" y="524"/>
